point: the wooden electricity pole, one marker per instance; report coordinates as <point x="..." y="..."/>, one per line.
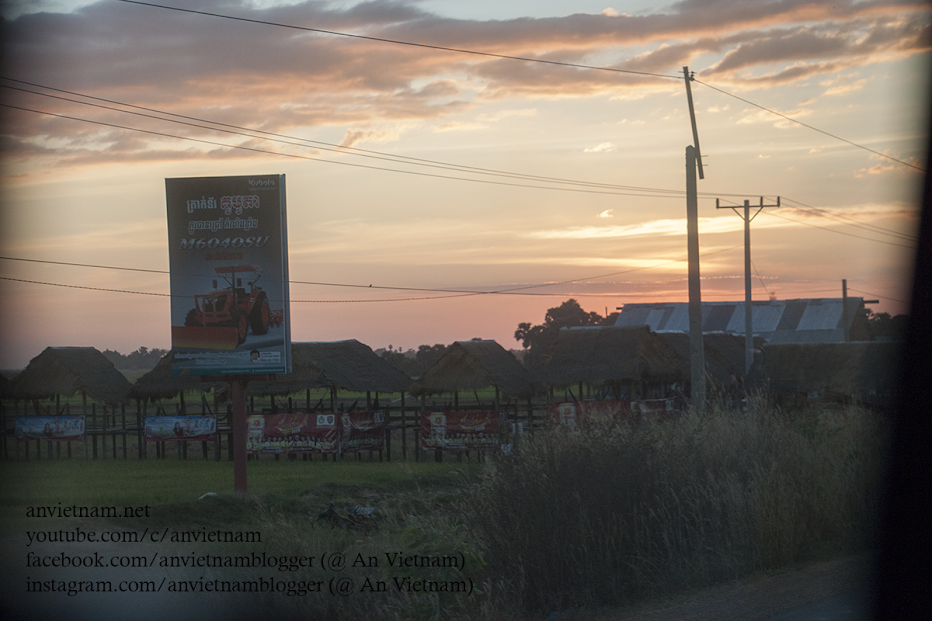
<point x="748" y="320"/>
<point x="696" y="346"/>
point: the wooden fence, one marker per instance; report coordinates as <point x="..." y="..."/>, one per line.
<point x="116" y="432"/>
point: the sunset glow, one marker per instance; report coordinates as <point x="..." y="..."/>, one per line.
<point x="472" y="192"/>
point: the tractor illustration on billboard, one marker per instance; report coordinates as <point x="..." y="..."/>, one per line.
<point x="235" y="306"/>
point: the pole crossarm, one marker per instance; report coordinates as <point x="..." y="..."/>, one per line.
<point x="734" y="208"/>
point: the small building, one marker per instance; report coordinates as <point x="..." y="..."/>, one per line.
<point x="347" y="365"/>
<point x="724" y="359"/>
<point x="475" y="365"/>
<point x="66" y="371"/>
<point x="864" y="373"/>
<point x="625" y="362"/>
<point x="159" y="383"/>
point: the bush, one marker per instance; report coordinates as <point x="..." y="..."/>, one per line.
<point x="608" y="517"/>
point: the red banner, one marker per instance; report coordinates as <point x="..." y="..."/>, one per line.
<point x="470" y="431"/>
<point x="186" y="428"/>
<point x="363" y="431"/>
<point x="293" y="433"/>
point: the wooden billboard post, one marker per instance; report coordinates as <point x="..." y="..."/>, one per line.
<point x="239" y="423"/>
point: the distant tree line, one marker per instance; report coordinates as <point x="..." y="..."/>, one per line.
<point x="884" y="327"/>
<point x="142" y="358"/>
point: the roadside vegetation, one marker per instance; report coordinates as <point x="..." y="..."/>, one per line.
<point x="569" y="520"/>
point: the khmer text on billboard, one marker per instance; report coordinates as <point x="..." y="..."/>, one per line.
<point x="228" y="255"/>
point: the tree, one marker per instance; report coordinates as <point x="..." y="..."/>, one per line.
<point x="536" y="340"/>
<point x="883" y="327"/>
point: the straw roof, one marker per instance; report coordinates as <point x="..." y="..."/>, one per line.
<point x="834" y="368"/>
<point x="724" y="355"/>
<point x="67" y="370"/>
<point x="349" y="365"/>
<point x="159" y="383"/>
<point x="473" y="365"/>
<point x="610" y="354"/>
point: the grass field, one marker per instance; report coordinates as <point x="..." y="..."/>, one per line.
<point x="571" y="521"/>
<point x="156" y="483"/>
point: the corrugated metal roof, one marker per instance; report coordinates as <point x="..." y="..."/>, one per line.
<point x="777" y="321"/>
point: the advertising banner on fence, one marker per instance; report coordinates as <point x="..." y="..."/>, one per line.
<point x="363" y="431"/>
<point x="185" y="428"/>
<point x="56" y="428"/>
<point x="228" y="255"/>
<point x="604" y="412"/>
<point x="653" y="407"/>
<point x="293" y="433"/>
<point x="470" y="431"/>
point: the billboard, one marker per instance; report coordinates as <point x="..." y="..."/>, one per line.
<point x="471" y="431"/>
<point x="228" y="255"/>
<point x="184" y="428"/>
<point x="55" y="428"/>
<point x="363" y="431"/>
<point x="293" y="433"/>
<point x="601" y="412"/>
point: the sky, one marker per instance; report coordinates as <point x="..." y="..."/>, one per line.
<point x="582" y="189"/>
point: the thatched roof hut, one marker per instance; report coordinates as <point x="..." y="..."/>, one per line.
<point x="609" y="354"/>
<point x="832" y="369"/>
<point x="159" y="383"/>
<point x="68" y="370"/>
<point x="724" y="356"/>
<point x="349" y="365"/>
<point x="473" y="365"/>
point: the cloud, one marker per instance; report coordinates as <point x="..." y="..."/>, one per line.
<point x="606" y="214"/>
<point x="605" y="147"/>
<point x="357" y="136"/>
<point x="653" y="228"/>
<point x="610" y="12"/>
<point x="844" y="89"/>
<point x="277" y="80"/>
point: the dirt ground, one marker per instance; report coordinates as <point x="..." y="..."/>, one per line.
<point x="763" y="596"/>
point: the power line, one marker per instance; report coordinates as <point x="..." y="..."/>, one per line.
<point x="410" y="172"/>
<point x="55" y="284"/>
<point x="523" y="59"/>
<point x="659" y="192"/>
<point x="317" y="159"/>
<point x="457" y="292"/>
<point x="325" y="145"/>
<point x="877" y="295"/>
<point x="770" y="295"/>
<point x="856" y="223"/>
<point x="408" y="43"/>
<point x="665" y="192"/>
<point x="879" y="241"/>
<point x="791" y="119"/>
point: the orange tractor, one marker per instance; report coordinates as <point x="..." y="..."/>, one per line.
<point x="234" y="306"/>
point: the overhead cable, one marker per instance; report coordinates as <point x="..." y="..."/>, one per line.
<point x="408" y="43"/>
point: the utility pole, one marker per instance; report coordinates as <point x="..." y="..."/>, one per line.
<point x="696" y="345"/>
<point x="844" y="309"/>
<point x="748" y="321"/>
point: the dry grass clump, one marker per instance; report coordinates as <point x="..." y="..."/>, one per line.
<point x="612" y="516"/>
<point x="421" y="521"/>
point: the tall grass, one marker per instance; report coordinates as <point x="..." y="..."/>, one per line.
<point x="616" y="515"/>
<point x="571" y="518"/>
